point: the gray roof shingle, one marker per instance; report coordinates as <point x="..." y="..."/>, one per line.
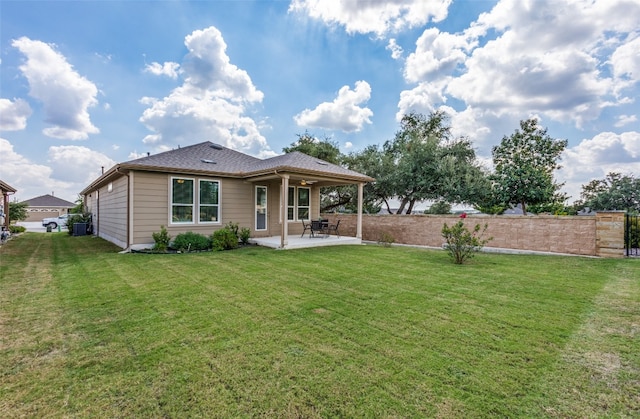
<point x="215" y="160"/>
<point x="212" y="158"/>
<point x="48" y="201"/>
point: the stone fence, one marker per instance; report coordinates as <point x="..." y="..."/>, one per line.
<point x="599" y="235"/>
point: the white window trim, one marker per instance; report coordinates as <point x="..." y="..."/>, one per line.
<point x="266" y="224"/>
<point x="193" y="198"/>
<point x="219" y="204"/>
<point x="196" y="201"/>
<point x="295" y="205"/>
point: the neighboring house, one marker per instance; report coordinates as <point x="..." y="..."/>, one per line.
<point x="5" y="190"/>
<point x="203" y="187"/>
<point x="47" y="206"/>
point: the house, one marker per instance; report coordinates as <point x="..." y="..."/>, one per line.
<point x="203" y="187"/>
<point x="5" y="190"/>
<point x="46" y="206"/>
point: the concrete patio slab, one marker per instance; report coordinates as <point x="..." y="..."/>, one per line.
<point x="297" y="242"/>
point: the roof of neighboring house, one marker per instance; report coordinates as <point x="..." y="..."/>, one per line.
<point x="48" y="201"/>
<point x="4" y="187"/>
<point x="214" y="160"/>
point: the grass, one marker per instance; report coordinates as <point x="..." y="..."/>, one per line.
<point x="365" y="331"/>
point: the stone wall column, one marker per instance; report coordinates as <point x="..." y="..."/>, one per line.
<point x="610" y="234"/>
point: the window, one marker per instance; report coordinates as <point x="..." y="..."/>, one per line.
<point x="299" y="204"/>
<point x="303" y="203"/>
<point x="182" y="200"/>
<point x="185" y="197"/>
<point x="209" y="201"/>
<point x="291" y="203"/>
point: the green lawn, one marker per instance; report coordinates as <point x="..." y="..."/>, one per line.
<point x="361" y="331"/>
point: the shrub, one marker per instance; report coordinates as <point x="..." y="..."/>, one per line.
<point x="190" y="241"/>
<point x="224" y="239"/>
<point x="245" y="235"/>
<point x="462" y="244"/>
<point x="386" y="239"/>
<point x="162" y="239"/>
<point x="440" y="207"/>
<point x="14" y="229"/>
<point x="233" y="227"/>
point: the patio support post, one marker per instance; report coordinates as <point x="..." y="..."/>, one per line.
<point x="284" y="201"/>
<point x="360" y="199"/>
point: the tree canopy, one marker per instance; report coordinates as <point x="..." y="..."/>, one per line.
<point x="524" y="165"/>
<point x="425" y="162"/>
<point x="614" y="192"/>
<point x="18" y="211"/>
<point x="324" y="149"/>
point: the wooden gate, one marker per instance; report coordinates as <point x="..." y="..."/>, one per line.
<point x="632" y="235"/>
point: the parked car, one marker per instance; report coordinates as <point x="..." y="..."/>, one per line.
<point x="54" y="222"/>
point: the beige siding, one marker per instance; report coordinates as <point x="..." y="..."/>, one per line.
<point x="151" y="203"/>
<point x="37" y="214"/>
<point x="91" y="206"/>
<point x="112" y="212"/>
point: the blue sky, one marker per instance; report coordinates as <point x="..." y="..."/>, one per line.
<point x="86" y="84"/>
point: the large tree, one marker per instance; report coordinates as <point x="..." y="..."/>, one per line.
<point x="430" y="164"/>
<point x="614" y="192"/>
<point x="524" y="165"/>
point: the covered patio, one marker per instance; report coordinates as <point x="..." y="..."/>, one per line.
<point x="286" y="175"/>
<point x="297" y="242"/>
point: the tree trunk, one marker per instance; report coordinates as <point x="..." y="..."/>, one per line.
<point x="386" y="202"/>
<point x="524" y="208"/>
<point x="411" y="204"/>
<point x="402" y="205"/>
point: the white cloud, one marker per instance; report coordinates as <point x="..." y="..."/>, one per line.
<point x="65" y="94"/>
<point x="437" y="55"/>
<point x="626" y="60"/>
<point x="341" y="114"/>
<point x="169" y="69"/>
<point x="77" y="165"/>
<point x="594" y="158"/>
<point x="207" y="66"/>
<point x="625" y="119"/>
<point x="30" y="179"/>
<point x="378" y="17"/>
<point x="13" y="115"/>
<point x="543" y="57"/>
<point x="348" y="145"/>
<point x="423" y="98"/>
<point x="396" y="50"/>
<point x="209" y="105"/>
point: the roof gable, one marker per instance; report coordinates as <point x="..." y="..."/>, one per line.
<point x="48" y="201"/>
<point x="202" y="157"/>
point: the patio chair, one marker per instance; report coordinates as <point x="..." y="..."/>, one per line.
<point x="307" y="226"/>
<point x="319" y="227"/>
<point x="334" y="227"/>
